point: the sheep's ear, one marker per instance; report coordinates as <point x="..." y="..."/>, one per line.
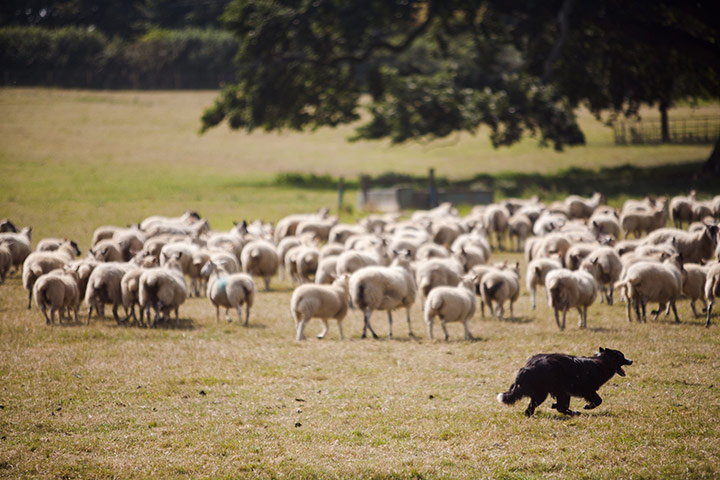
<point x="178" y="255"/>
<point x="517" y="265"/>
<point x="595" y="224"/>
<point x="165" y="256"/>
<point x="594" y="262"/>
<point x="104" y="251"/>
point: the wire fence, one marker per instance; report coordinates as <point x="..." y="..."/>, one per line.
<point x="689" y="130"/>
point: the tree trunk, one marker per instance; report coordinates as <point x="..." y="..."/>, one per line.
<point x="664" y="127"/>
<point x="712" y="164"/>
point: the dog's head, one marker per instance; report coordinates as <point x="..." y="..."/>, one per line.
<point x="615" y="358"/>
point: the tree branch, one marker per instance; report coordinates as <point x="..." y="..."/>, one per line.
<point x="562" y="18"/>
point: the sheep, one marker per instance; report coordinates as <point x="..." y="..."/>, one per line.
<point x="5" y="261"/>
<point x="694" y="247"/>
<point x="351" y="261"/>
<point x="627" y="246"/>
<point x="229" y="290"/>
<point x="194" y="230"/>
<point x="57" y="290"/>
<point x="130" y="294"/>
<point x="702" y="211"/>
<point x="187" y="250"/>
<point x="287" y="226"/>
<point x="653" y="282"/>
<point x="475" y="238"/>
<point x="187" y="218"/>
<point x="327" y="270"/>
<point x="163" y="289"/>
<point x="445" y="232"/>
<point x="104" y="232"/>
<point x="605" y="224"/>
<point x="107" y="251"/>
<point x="130" y="240"/>
<point x="283" y="247"/>
<point x="320" y="301"/>
<point x="520" y="227"/>
<point x="320" y="229"/>
<point x="579" y="207"/>
<point x="537" y="270"/>
<point x="681" y="208"/>
<point x="340" y="232"/>
<point x="427" y="251"/>
<point x="52" y="244"/>
<point x="451" y="304"/>
<point x="384" y="288"/>
<point x="501" y="286"/>
<point x="567" y="289"/>
<point x="715" y="205"/>
<point x="83" y="268"/>
<point x="330" y="250"/>
<point x="548" y="222"/>
<point x="306" y="263"/>
<point x="694" y="285"/>
<point x="638" y="220"/>
<point x="712" y="289"/>
<point x="19" y="245"/>
<point x="577" y="253"/>
<point x="495" y="220"/>
<point x="437" y="272"/>
<point x="259" y="258"/>
<point x="7" y="226"/>
<point x="469" y="256"/>
<point x="104" y="287"/>
<point x="39" y="263"/>
<point x="605" y="266"/>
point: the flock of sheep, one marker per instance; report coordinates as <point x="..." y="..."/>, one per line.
<point x="573" y="250"/>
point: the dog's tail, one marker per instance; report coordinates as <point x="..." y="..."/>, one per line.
<point x="511" y="396"/>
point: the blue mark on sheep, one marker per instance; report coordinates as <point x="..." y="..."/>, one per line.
<point x="221" y="282"/>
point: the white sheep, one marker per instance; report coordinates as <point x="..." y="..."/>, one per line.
<point x="107" y="250"/>
<point x="605" y="265"/>
<point x="163" y="289"/>
<point x="19" y="245"/>
<point x="681" y="208"/>
<point x="694" y="247"/>
<point x="306" y="263"/>
<point x="259" y="258"/>
<point x="130" y="293"/>
<point x="694" y="285"/>
<point x="579" y="207"/>
<point x="500" y="286"/>
<point x="567" y="289"/>
<point x="327" y="270"/>
<point x="451" y="304"/>
<point x="57" y="290"/>
<point x="519" y="227"/>
<point x="384" y="288"/>
<point x="537" y="270"/>
<point x="712" y="289"/>
<point x="427" y="251"/>
<point x="495" y="220"/>
<point x="653" y="282"/>
<point x="437" y="272"/>
<point x="5" y="261"/>
<point x="187" y="218"/>
<point x="104" y="287"/>
<point x="320" y="301"/>
<point x="39" y="263"/>
<point x="229" y="290"/>
<point x="638" y="220"/>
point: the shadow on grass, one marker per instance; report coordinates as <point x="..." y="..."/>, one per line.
<point x="625" y="180"/>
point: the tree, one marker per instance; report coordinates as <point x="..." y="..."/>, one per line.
<point x="434" y="67"/>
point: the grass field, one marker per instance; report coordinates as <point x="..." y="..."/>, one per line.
<point x="208" y="400"/>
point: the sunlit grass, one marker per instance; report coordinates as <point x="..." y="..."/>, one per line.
<point x="215" y="400"/>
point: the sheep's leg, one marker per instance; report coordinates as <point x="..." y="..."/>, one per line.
<point x="692" y="307"/>
<point x="267" y="284"/>
<point x="407" y="311"/>
<point x="628" y="310"/>
<point x="532" y="296"/>
<point x="512" y="315"/>
<point x="247" y="314"/>
<point x="429" y="322"/>
<point x="709" y="309"/>
<point x="342" y="336"/>
<point x="217" y="314"/>
<point x="557" y="319"/>
<point x="482" y="308"/>
<point x="227" y="315"/>
<point x="325" y="329"/>
<point x="467" y="329"/>
<point x="643" y="304"/>
<point x="90" y="312"/>
<point x="563" y="320"/>
<point x="674" y="309"/>
<point x="77" y="307"/>
<point x="500" y="310"/>
<point x="47" y="319"/>
<point x="580" y="322"/>
<point x="367" y="325"/>
<point x="52" y="316"/>
<point x="239" y="310"/>
<point x="30" y="297"/>
<point x="390" y="323"/>
<point x="610" y="294"/>
<point x="115" y="314"/>
<point x="444" y="327"/>
<point x="300" y="329"/>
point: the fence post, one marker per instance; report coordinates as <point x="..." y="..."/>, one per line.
<point x="341" y="191"/>
<point x="433" y="189"/>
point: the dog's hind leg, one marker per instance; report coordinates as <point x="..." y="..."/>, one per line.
<point x="562" y="404"/>
<point x="593" y="400"/>
<point x="535" y="400"/>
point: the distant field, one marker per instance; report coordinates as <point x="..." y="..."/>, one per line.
<point x="208" y="400"/>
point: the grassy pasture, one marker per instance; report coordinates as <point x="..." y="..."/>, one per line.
<point x="208" y="400"/>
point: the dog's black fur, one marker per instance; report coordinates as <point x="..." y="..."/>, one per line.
<point x="563" y="376"/>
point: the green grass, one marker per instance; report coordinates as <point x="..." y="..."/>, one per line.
<point x="221" y="401"/>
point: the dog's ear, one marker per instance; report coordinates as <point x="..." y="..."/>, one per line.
<point x="602" y="349"/>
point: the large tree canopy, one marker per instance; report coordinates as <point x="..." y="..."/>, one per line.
<point x="425" y="69"/>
